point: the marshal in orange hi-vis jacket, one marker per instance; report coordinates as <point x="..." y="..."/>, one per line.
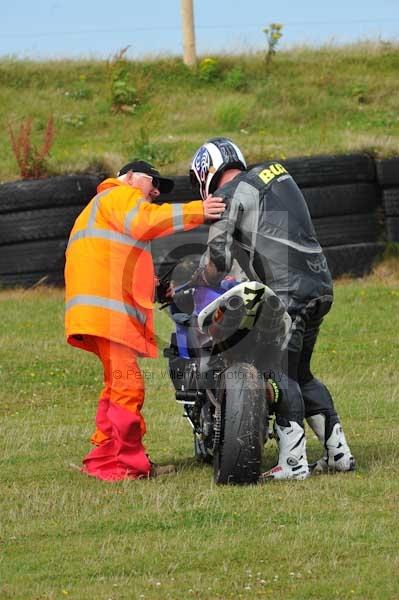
<point x="109" y="281"/>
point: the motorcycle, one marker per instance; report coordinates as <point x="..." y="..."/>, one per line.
<point x="224" y="338"/>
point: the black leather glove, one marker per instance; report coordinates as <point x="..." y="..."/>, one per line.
<point x="163" y="293"/>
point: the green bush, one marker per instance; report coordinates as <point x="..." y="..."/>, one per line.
<point x="123" y="93"/>
<point x="209" y="70"/>
<point x="230" y="115"/>
<point x="236" y="79"/>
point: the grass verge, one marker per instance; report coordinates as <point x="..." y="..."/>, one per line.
<point x="64" y="535"/>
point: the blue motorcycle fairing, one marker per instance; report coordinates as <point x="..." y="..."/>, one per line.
<point x="202" y="297"/>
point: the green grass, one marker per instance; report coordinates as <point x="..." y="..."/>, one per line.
<point x="311" y="101"/>
<point x="64" y="535"/>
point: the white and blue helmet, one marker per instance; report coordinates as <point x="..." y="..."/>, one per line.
<point x="211" y="160"/>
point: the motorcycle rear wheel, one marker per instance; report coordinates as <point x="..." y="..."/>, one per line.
<point x="244" y="417"/>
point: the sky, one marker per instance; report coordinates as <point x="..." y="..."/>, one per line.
<point x="51" y="29"/>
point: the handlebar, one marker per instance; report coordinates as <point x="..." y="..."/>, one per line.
<point x="179" y="296"/>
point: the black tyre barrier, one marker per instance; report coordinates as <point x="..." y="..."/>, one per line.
<point x="344" y="199"/>
<point x="331" y="169"/>
<point x="314" y="171"/>
<point x="182" y="191"/>
<point x="353" y="259"/>
<point x="391" y="202"/>
<point x="347" y="229"/>
<point x="44" y="223"/>
<point x="387" y="171"/>
<point x="44" y="256"/>
<point x="63" y="190"/>
<point x="322" y="201"/>
<point x="25" y="280"/>
<point x="392" y="229"/>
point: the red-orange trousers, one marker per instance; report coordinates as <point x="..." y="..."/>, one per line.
<point x="119" y="452"/>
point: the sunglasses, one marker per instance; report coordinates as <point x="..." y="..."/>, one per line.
<point x="155" y="180"/>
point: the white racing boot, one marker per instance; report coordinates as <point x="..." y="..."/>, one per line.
<point x="338" y="456"/>
<point x="292" y="461"/>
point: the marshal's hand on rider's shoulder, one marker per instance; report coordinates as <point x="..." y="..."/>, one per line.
<point x="213" y="207"/>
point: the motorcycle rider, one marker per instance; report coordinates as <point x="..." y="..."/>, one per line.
<point x="267" y="228"/>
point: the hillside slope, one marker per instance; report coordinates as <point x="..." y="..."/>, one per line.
<point x="309" y="102"/>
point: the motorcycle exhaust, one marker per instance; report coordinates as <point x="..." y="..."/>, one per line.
<point x="234" y="303"/>
<point x="227" y="318"/>
<point x="271" y="315"/>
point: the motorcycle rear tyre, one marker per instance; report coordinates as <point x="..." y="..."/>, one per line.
<point x="244" y="417"/>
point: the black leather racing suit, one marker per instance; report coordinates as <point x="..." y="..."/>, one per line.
<point x="267" y="228"/>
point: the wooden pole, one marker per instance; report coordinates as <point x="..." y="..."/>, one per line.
<point x="189" y="52"/>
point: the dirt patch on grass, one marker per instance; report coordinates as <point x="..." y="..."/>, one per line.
<point x="385" y="272"/>
<point x="40" y="291"/>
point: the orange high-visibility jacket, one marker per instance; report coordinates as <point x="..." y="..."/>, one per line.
<point x="109" y="272"/>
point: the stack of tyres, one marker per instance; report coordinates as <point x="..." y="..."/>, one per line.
<point x="36" y="217"/>
<point x="343" y="193"/>
<point x="388" y="178"/>
<point x="343" y="199"/>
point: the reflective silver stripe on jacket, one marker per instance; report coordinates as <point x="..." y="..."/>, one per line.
<point x="106" y="234"/>
<point x="100" y="302"/>
<point x="95" y="207"/>
<point x="178" y="217"/>
<point x="130" y="217"/>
